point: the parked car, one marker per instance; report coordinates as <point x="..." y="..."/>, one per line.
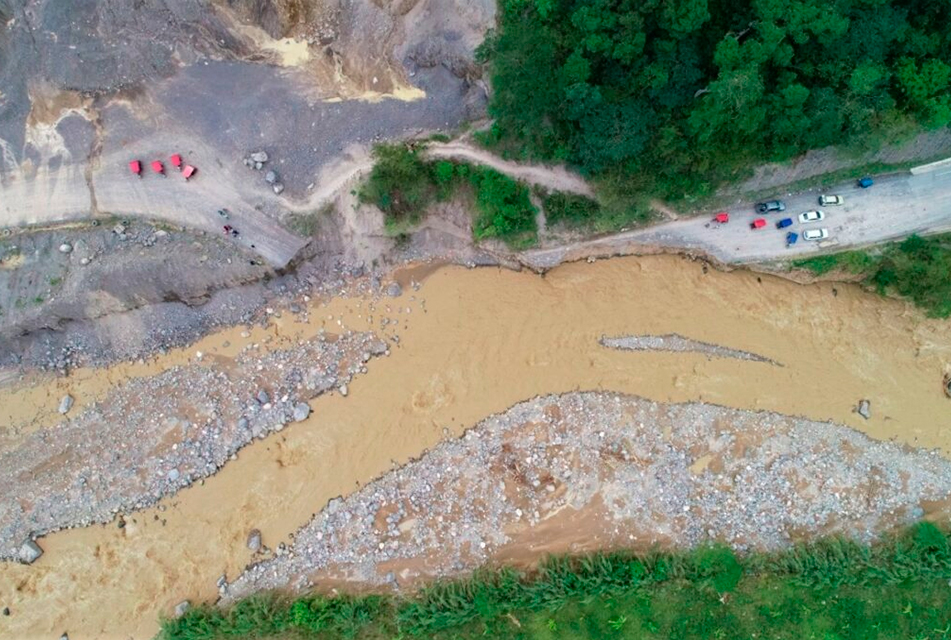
<point x="791" y="238"/>
<point x="866" y="182"/>
<point x="770" y="205"/>
<point x="828" y="201"/>
<point x="815" y="234"/>
<point x="759" y="223"/>
<point x="811" y="216"/>
<point x="785" y="222"/>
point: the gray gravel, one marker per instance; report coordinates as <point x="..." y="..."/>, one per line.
<point x="153" y="436"/>
<point x="678" y="344"/>
<point x="676" y="474"/>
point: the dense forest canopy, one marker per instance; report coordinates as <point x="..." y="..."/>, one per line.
<point x="676" y="95"/>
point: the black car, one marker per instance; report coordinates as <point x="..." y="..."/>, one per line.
<point x="771" y="205"/>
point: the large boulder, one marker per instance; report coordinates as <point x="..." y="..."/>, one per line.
<point x="29" y="552"/>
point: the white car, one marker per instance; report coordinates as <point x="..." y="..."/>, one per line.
<point x="811" y="216"/>
<point x="815" y="234"/>
<point x="828" y="201"/>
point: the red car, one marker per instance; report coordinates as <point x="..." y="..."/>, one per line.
<point x="759" y="223"/>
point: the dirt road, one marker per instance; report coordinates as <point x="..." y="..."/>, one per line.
<point x="896" y="206"/>
<point x="556" y="178"/>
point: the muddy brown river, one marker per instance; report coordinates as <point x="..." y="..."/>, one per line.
<point x="473" y="343"/>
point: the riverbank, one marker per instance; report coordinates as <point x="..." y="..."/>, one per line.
<point x="897" y="588"/>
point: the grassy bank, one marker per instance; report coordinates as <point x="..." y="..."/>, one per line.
<point x="829" y="590"/>
<point x="917" y="268"/>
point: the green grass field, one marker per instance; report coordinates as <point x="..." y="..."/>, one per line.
<point x="829" y="590"/>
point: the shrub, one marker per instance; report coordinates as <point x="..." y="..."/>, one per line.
<point x="401" y="184"/>
<point x="570" y="210"/>
<point x="505" y="211"/>
<point x="919" y="269"/>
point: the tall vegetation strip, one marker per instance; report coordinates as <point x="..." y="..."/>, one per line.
<point x="674" y="96"/>
<point x="832" y="589"/>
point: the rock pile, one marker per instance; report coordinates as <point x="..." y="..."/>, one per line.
<point x="256" y="161"/>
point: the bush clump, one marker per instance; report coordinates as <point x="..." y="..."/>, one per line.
<point x="402" y="185"/>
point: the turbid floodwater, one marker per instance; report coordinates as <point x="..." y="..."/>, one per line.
<point x="473" y="343"/>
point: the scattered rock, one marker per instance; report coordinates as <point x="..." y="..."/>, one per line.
<point x="259" y="156"/>
<point x="343" y="390"/>
<point x="65" y="636"/>
<point x="6" y="611"/>
<point x="258" y="165"/>
<point x="301" y="411"/>
<point x="278" y="188"/>
<point x="270" y="177"/>
<point x="865" y="409"/>
<point x="146" y="420"/>
<point x="65" y="248"/>
<point x="394" y="290"/>
<point x="182" y="607"/>
<point x="65" y="404"/>
<point x="29" y="552"/>
<point x="254" y="540"/>
<point x="578" y="449"/>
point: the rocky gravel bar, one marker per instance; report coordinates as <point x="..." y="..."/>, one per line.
<point x="678" y="344"/>
<point x="151" y="437"/>
<point x="670" y="474"/>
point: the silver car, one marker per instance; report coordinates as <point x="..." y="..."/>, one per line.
<point x="828" y="201"/>
<point x="811" y="216"/>
<point x="815" y="234"/>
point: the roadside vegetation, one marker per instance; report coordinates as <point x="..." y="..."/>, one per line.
<point x="828" y="590"/>
<point x="917" y="268"/>
<point x="402" y="184"/>
<point x="673" y="98"/>
<point x="572" y="211"/>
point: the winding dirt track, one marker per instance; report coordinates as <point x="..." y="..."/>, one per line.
<point x="556" y="178"/>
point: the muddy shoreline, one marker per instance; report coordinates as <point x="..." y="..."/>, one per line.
<point x="175" y="323"/>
